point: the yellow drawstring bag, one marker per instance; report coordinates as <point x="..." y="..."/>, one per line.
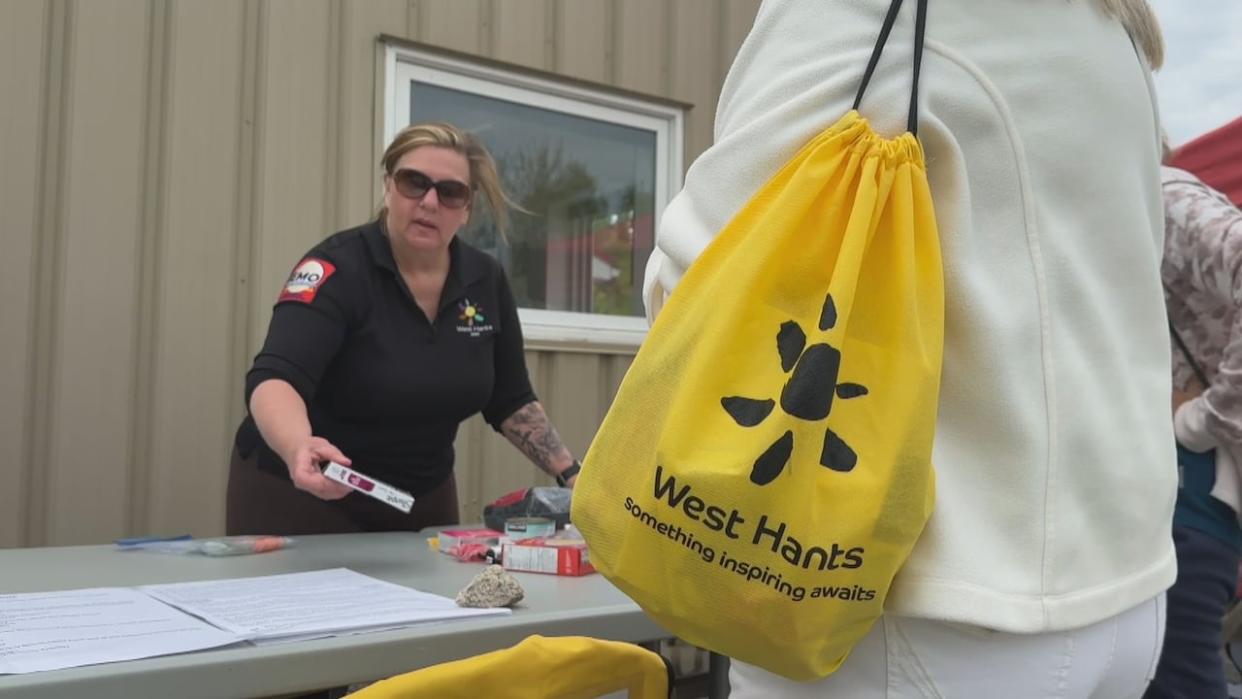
<point x="765" y="468"/>
<point x="567" y="667"/>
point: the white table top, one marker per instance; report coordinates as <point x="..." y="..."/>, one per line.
<point x="554" y="606"/>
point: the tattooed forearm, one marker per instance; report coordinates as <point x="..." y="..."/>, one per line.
<point x="529" y="430"/>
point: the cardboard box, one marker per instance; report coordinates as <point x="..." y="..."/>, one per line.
<point x="551" y="556"/>
<point x="450" y="538"/>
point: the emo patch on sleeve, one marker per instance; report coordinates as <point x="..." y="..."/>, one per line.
<point x="306" y="279"/>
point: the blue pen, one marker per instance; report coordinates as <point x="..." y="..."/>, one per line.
<point x="134" y="541"/>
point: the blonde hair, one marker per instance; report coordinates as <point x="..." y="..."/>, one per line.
<point x="1140" y="22"/>
<point x="483" y="174"/>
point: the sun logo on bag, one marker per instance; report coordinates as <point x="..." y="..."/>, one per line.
<point x="807" y="395"/>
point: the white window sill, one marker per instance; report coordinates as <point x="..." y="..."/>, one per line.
<point x="581" y="332"/>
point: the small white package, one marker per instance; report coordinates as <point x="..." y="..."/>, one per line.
<point x="369" y="486"/>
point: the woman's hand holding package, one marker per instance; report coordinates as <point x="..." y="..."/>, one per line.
<point x="304" y="468"/>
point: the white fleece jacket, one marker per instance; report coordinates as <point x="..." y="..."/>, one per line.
<point x="1054" y="452"/>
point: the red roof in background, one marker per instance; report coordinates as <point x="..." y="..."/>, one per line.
<point x="608" y="238"/>
<point x="1216" y="158"/>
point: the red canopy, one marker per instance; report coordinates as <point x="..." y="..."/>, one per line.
<point x="1216" y="158"/>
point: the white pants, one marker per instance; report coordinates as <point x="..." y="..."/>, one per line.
<point x="905" y="658"/>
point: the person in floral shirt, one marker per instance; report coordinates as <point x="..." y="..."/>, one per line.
<point x="1202" y="272"/>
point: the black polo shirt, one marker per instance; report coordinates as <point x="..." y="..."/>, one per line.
<point x="384" y="384"/>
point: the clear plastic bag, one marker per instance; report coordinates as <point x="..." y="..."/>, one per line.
<point x="215" y="546"/>
<point x="549" y="502"/>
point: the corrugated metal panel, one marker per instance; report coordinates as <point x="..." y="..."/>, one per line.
<point x="641" y="32"/>
<point x="293" y="182"/>
<point x="192" y="378"/>
<point x="89" y="453"/>
<point x="521" y="32"/>
<point x="361" y="115"/>
<point x="26" y="31"/>
<point x="454" y="24"/>
<point x="694" y="26"/>
<point x="167" y="163"/>
<point x="585" y="46"/>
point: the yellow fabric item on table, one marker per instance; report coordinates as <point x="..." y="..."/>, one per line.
<point x="569" y="667"/>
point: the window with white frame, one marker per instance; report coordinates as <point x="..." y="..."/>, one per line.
<point x="592" y="168"/>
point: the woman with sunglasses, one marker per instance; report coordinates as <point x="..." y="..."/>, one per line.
<point x="384" y="339"/>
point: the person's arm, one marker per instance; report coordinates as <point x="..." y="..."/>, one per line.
<point x="305" y="333"/>
<point x="280" y="415"/>
<point x="1206" y="231"/>
<point x="513" y="410"/>
<point x="532" y="433"/>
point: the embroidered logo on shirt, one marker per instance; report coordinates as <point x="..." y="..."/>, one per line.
<point x="306" y="279"/>
<point x="470" y="313"/>
<point x="471" y="319"/>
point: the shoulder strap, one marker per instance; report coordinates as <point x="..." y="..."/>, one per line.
<point x="1194" y="366"/>
<point x="1181" y="344"/>
<point x="920" y="24"/>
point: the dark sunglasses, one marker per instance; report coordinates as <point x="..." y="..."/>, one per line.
<point x="415" y="185"/>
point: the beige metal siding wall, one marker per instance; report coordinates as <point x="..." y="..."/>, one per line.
<point x="165" y="162"/>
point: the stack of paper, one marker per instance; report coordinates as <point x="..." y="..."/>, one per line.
<point x="55" y="630"/>
<point x="52" y="630"/>
<point x="299" y="606"/>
